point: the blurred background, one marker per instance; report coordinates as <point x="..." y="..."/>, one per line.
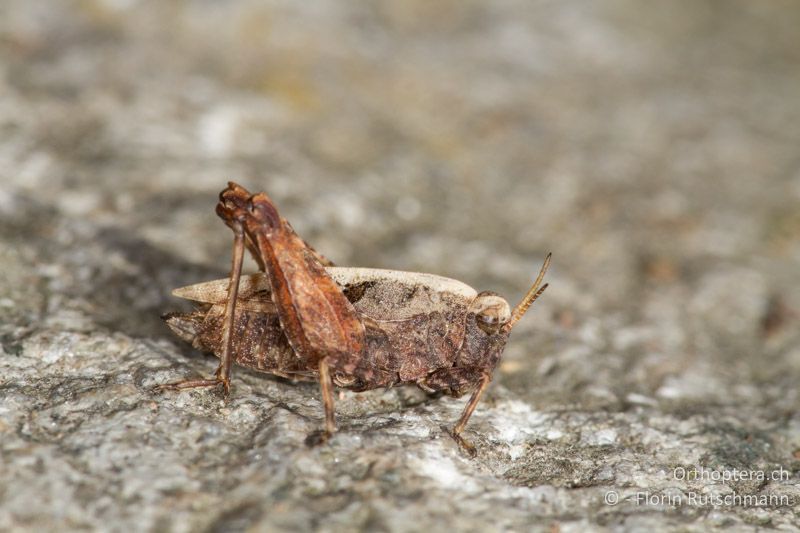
<point x="652" y="147"/>
<point x="653" y="151"/>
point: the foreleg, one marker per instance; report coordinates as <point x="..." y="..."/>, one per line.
<point x="456" y="381"/>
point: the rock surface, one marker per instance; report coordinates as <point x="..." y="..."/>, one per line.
<point x="654" y="151"/>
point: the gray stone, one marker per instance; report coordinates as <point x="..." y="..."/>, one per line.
<point x="652" y="149"/>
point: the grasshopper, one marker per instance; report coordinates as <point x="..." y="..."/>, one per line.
<point x="300" y="317"/>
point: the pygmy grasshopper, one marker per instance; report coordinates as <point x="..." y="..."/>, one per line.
<point x="357" y="328"/>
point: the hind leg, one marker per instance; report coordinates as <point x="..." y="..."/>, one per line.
<point x="230" y="211"/>
<point x="321" y="325"/>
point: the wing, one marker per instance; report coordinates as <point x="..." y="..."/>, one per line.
<point x="382" y="295"/>
<point x="254" y="293"/>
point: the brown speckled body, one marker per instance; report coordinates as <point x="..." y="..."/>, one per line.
<point x="442" y="349"/>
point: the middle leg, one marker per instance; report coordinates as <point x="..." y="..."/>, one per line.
<point x="326" y="388"/>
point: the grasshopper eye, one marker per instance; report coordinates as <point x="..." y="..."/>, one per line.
<point x="491" y="311"/>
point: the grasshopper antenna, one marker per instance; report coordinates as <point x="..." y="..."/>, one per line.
<point x="533" y="293"/>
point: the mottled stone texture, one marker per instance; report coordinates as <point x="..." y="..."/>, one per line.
<point x="654" y="149"/>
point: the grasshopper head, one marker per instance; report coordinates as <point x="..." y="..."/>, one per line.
<point x="492" y="312"/>
<point x="494" y="315"/>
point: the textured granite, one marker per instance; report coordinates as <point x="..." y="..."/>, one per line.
<point x="653" y="149"/>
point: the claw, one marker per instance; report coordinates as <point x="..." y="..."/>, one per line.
<point x="464" y="445"/>
<point x="225" y="382"/>
<point x="318" y="438"/>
